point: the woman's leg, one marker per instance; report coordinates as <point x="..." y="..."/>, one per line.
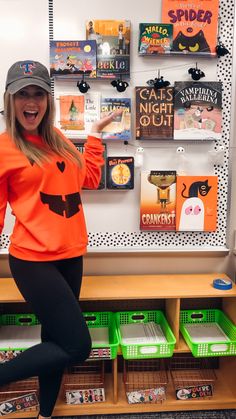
<point x="57" y="309"/>
<point x="49" y="384"/>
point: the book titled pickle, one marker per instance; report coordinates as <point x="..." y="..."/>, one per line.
<point x="120" y="172"/>
<point x="155" y="38"/>
<point x="113" y="46"/>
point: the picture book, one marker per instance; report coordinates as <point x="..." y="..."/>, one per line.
<point x="88" y="395"/>
<point x="197" y="110"/>
<point x="155" y="38"/>
<point x="120" y="127"/>
<point x="113" y="46"/>
<point x="196" y="203"/>
<point x="154" y="113"/>
<point x="75" y="114"/>
<point x="102" y="184"/>
<point x="70" y="58"/>
<point x="120" y="172"/>
<point x="158" y="200"/>
<point x="195" y="25"/>
<point x="16" y="404"/>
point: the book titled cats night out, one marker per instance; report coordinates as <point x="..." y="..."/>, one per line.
<point x="196" y="203"/>
<point x="195" y="25"/>
<point x="154" y="113"/>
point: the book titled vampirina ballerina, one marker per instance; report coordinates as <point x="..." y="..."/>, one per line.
<point x="197" y="110"/>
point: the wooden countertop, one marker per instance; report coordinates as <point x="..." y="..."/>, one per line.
<point x="125" y="287"/>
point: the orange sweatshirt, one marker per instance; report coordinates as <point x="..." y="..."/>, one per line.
<point x="46" y="201"/>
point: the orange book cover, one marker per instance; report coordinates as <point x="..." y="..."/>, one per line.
<point x="71" y="112"/>
<point x="195" y="24"/>
<point x="196" y="203"/>
<point x="158" y="199"/>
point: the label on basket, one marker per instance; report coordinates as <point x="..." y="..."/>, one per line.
<point x="18" y="403"/>
<point x="91" y="395"/>
<point x="100" y="353"/>
<point x="194" y="392"/>
<point x="147" y="395"/>
<point x="8" y="355"/>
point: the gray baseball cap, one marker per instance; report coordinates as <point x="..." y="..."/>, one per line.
<point x="25" y="73"/>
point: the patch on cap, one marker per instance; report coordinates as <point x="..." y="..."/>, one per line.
<point x="25" y="73"/>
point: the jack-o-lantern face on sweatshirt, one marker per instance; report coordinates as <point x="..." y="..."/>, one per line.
<point x="65" y="206"/>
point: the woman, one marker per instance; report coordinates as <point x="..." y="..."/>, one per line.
<point x="41" y="176"/>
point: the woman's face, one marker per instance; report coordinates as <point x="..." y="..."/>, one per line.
<point x="30" y="107"/>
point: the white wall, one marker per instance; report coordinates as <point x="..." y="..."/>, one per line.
<point x="24" y="35"/>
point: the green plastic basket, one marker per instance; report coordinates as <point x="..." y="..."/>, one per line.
<point x="206" y="317"/>
<point x="150" y="350"/>
<point x="20" y="320"/>
<point x="98" y="320"/>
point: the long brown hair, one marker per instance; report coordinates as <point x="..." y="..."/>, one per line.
<point x="52" y="138"/>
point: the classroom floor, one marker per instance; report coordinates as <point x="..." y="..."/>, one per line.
<point x="199" y="414"/>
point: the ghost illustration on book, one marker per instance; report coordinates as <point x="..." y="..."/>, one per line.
<point x="192" y="215"/>
<point x="192" y="211"/>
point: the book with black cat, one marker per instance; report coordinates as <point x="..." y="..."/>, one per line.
<point x="197" y="110"/>
<point x="154" y="113"/>
<point x="195" y="25"/>
<point x="196" y="203"/>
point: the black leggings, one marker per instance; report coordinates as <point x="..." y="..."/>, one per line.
<point x="52" y="288"/>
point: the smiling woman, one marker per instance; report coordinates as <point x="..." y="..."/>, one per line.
<point x="30" y="107"/>
<point x="41" y="177"/>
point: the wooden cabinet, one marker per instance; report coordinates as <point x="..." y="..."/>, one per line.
<point x="172" y="293"/>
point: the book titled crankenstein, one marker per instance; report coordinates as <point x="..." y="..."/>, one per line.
<point x="158" y="200"/>
<point x="120" y="172"/>
<point x="113" y="46"/>
<point x="155" y="38"/>
<point x="197" y="110"/>
<point x="154" y="113"/>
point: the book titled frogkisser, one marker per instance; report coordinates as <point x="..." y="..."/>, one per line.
<point x="70" y="58"/>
